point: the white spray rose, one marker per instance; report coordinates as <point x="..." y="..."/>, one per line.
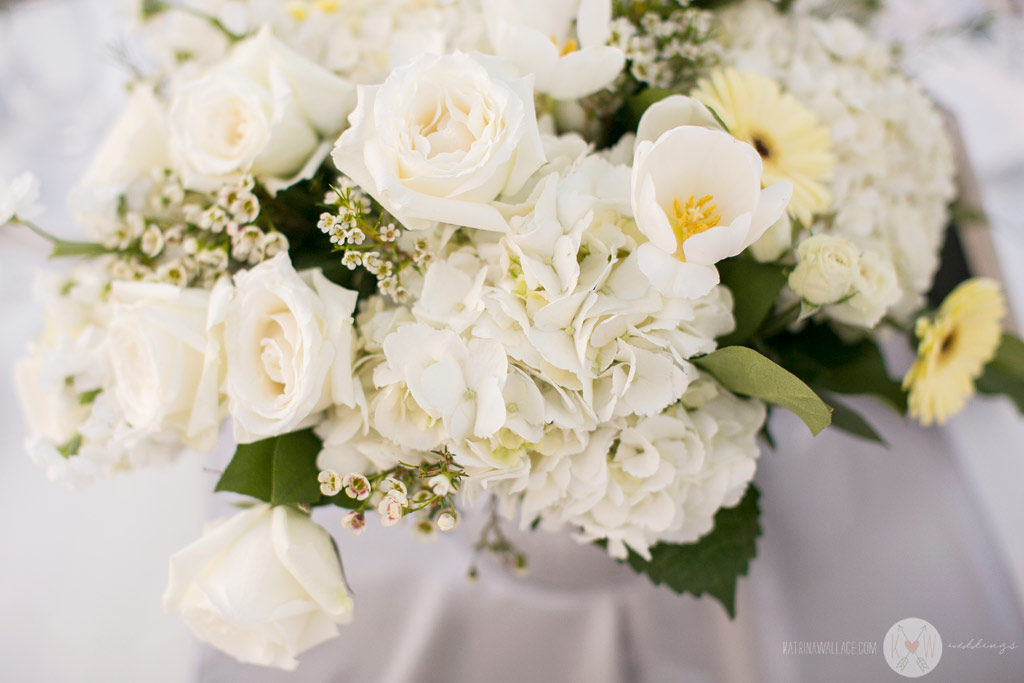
<point x="563" y="43"/>
<point x="165" y="350"/>
<point x="263" y="586"/>
<point x="441" y="138"/>
<point x="826" y="269"/>
<point x="264" y="110"/>
<point x="877" y="289"/>
<point x="289" y="338"/>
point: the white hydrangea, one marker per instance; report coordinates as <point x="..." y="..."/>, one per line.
<point x="895" y="169"/>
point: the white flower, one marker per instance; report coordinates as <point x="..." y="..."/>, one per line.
<point x="697" y="198"/>
<point x="165" y="350"/>
<point x="563" y="43"/>
<point x="459" y="382"/>
<point x="439" y="485"/>
<point x="263" y="110"/>
<point x="357" y="486"/>
<point x="876" y="289"/>
<point x="354" y="522"/>
<point x="263" y="586"/>
<point x="441" y="138"/>
<point x="826" y="269"/>
<point x="446" y="521"/>
<point x="289" y="338"/>
<point x="391" y="509"/>
<point x="18" y="197"/>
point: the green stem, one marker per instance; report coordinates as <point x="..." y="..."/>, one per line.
<point x="780" y="322"/>
<point x="63" y="247"/>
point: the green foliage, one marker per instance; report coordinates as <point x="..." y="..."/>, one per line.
<point x="850" y="421"/>
<point x="744" y="371"/>
<point x="754" y="287"/>
<point x="713" y="564"/>
<point x="1005" y="372"/>
<point x="638" y="104"/>
<point x="281" y="470"/>
<point x="819" y="357"/>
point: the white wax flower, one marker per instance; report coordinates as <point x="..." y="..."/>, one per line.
<point x="263" y="110"/>
<point x="441" y="138"/>
<point x="18" y="197"/>
<point x="263" y="586"/>
<point x="164" y="346"/>
<point x="697" y="198"/>
<point x="826" y="269"/>
<point x="563" y="43"/>
<point x="289" y="339"/>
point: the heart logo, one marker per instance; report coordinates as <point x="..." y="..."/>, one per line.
<point x="912" y="646"/>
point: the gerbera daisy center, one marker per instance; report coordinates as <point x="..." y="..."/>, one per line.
<point x="692" y="218"/>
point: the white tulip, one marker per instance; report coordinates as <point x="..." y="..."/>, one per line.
<point x="263" y="586"/>
<point x="563" y="43"/>
<point x="697" y="198"/>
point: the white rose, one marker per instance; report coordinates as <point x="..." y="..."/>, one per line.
<point x="695" y="212"/>
<point x="263" y="586"/>
<point x="264" y="110"/>
<point x="441" y="138"/>
<point x="826" y="269"/>
<point x="165" y="351"/>
<point x="289" y="339"/>
<point x="563" y="43"/>
<point x="876" y="286"/>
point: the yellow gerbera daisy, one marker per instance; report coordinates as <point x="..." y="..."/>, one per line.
<point x="793" y="142"/>
<point x="953" y="349"/>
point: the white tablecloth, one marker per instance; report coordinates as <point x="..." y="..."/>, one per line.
<point x="855" y="536"/>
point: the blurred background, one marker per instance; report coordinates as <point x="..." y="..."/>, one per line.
<point x="855" y="538"/>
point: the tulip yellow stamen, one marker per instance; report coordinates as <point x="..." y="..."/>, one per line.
<point x="328" y="6"/>
<point x="298" y="9"/>
<point x="570" y="46"/>
<point x="692" y="218"/>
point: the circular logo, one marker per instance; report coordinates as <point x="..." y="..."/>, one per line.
<point x="912" y="647"/>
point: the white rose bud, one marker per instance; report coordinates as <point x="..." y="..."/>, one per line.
<point x="265" y="110"/>
<point x="876" y="287"/>
<point x="263" y="586"/>
<point x="164" y="346"/>
<point x="441" y="138"/>
<point x="826" y="269"/>
<point x="290" y="338"/>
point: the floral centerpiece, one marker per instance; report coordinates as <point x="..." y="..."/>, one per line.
<point x="562" y="255"/>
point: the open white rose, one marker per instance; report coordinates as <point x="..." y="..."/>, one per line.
<point x="290" y="342"/>
<point x="563" y="43"/>
<point x="826" y="269"/>
<point x="264" y="109"/>
<point x="697" y="198"/>
<point x="263" y="586"/>
<point x="165" y="350"/>
<point x="441" y="138"/>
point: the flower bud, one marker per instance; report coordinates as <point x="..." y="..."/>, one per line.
<point x="826" y="269"/>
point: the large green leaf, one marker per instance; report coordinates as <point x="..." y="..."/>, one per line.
<point x="1005" y="372"/>
<point x="745" y="371"/>
<point x="281" y="470"/>
<point x="850" y="421"/>
<point x="819" y="357"/>
<point x="754" y="288"/>
<point x="713" y="564"/>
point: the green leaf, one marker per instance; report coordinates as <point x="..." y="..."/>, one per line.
<point x="819" y="357"/>
<point x="754" y="288"/>
<point x="1004" y="374"/>
<point x="849" y="420"/>
<point x="745" y="371"/>
<point x="713" y="564"/>
<point x="281" y="470"/>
